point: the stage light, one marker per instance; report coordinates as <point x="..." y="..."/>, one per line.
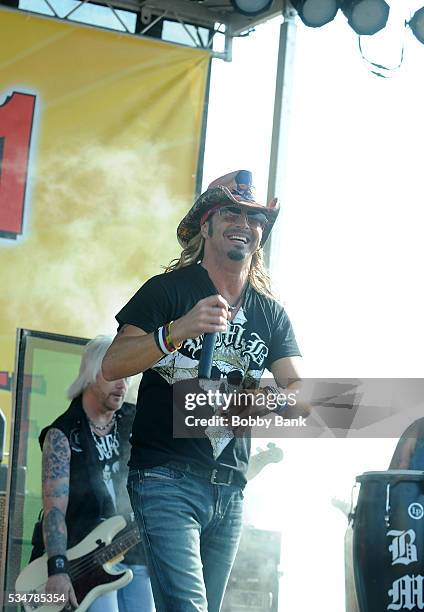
<point x="366" y="17"/>
<point x="417" y="25"/>
<point x="316" y="13"/>
<point x="251" y="7"/>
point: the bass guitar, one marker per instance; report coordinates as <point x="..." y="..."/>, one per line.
<point x="90" y="568"/>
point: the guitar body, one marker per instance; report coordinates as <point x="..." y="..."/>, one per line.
<point x="257" y="462"/>
<point x="90" y="577"/>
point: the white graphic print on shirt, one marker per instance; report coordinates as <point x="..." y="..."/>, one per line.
<point x="234" y="352"/>
<point x="107" y="449"/>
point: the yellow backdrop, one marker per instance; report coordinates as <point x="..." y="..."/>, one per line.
<point x="112" y="159"/>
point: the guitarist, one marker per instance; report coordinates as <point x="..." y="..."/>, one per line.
<point x="85" y="452"/>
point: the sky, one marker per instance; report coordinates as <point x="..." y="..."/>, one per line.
<point x="349" y="267"/>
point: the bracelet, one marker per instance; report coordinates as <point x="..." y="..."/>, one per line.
<point x="58" y="564"/>
<point x="156" y="337"/>
<point x="169" y="337"/>
<point x="164" y="341"/>
<point x="167" y="340"/>
<point x="161" y="342"/>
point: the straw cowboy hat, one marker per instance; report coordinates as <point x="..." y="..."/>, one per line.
<point x="232" y="189"/>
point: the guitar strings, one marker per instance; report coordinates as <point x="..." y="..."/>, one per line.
<point x="81" y="568"/>
<point x="78" y="568"/>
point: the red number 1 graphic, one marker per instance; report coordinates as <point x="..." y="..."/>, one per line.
<point x="16" y="119"/>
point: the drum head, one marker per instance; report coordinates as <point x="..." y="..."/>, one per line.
<point x="390" y="475"/>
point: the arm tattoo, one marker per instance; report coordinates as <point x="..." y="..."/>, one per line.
<point x="59" y="490"/>
<point x="56" y="455"/>
<point x="55" y="532"/>
<point x="55" y="482"/>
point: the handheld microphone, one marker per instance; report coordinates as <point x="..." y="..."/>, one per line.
<point x="235" y="378"/>
<point x="206" y="355"/>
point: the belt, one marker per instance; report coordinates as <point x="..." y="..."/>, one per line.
<point x="221" y="475"/>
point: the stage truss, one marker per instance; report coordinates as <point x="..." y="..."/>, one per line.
<point x="195" y="16"/>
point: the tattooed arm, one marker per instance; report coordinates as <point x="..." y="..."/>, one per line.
<point x="55" y="487"/>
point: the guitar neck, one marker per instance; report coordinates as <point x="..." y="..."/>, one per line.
<point x="117" y="547"/>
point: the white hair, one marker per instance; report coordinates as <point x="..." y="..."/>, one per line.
<point x="91" y="365"/>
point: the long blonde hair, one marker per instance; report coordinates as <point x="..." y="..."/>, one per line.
<point x="193" y="253"/>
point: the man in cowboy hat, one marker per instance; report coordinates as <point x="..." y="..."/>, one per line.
<point x="187" y="492"/>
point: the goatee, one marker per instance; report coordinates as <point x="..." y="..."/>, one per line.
<point x="236" y="255"/>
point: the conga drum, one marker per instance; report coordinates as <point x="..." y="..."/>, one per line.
<point x="388" y="541"/>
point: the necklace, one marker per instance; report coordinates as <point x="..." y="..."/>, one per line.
<point x="239" y="300"/>
<point x="106" y="448"/>
<point x="234" y="306"/>
<point x="101" y="427"/>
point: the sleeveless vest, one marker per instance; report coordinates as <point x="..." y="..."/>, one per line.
<point x="89" y="499"/>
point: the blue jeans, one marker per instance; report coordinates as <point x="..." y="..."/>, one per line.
<point x="137" y="596"/>
<point x="108" y="602"/>
<point x="190" y="530"/>
<point x="134" y="597"/>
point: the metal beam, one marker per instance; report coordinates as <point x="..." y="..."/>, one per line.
<point x="196" y="12"/>
<point x="278" y="156"/>
<point x="192" y="12"/>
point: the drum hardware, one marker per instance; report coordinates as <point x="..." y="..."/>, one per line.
<point x="353" y="504"/>
<point x="387" y="515"/>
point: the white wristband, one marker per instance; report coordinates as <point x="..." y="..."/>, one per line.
<point x="162" y="343"/>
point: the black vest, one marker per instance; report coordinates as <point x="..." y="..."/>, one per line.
<point x="89" y="499"/>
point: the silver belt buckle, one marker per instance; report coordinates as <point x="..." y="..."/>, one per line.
<point x="213" y="478"/>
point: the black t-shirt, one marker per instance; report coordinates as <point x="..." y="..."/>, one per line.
<point x="107" y="448"/>
<point x="259" y="334"/>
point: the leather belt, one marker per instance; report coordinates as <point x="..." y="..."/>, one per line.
<point x="221" y="475"/>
